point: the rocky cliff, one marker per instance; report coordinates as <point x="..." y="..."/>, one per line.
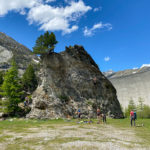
<point x="9" y="49"/>
<point x="131" y="84"/>
<point x="69" y="81"/>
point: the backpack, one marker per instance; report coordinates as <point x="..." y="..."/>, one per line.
<point x="135" y="117"/>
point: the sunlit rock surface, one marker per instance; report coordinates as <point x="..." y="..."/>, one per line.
<point x="132" y="84"/>
<point x="69" y="81"/>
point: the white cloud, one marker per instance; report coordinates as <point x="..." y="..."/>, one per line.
<point x="23" y="12"/>
<point x="97" y="9"/>
<point x="52" y="18"/>
<point x="16" y="5"/>
<point x="48" y="1"/>
<point x="58" y="18"/>
<point x="107" y="58"/>
<point x="90" y="32"/>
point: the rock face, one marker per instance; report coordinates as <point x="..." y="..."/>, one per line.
<point x="9" y="49"/>
<point x="69" y="81"/>
<point x="131" y="84"/>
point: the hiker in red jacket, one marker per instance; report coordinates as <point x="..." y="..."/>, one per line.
<point x="132" y="117"/>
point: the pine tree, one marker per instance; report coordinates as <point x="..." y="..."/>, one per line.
<point x="11" y="90"/>
<point x="1" y="77"/>
<point x="45" y="44"/>
<point x="29" y="79"/>
<point x="131" y="106"/>
<point x="140" y="107"/>
<point x="141" y="104"/>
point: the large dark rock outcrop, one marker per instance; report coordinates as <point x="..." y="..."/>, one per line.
<point x="69" y="81"/>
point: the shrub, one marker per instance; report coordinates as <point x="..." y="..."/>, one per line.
<point x="1" y="77"/>
<point x="64" y="98"/>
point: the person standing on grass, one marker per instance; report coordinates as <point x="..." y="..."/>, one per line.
<point x="98" y="115"/>
<point x="104" y="117"/>
<point x="132" y="118"/>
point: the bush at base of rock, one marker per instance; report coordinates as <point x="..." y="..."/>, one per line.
<point x="64" y="98"/>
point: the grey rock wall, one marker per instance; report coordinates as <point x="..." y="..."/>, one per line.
<point x="67" y="83"/>
<point x="5" y="55"/>
<point x="132" y="84"/>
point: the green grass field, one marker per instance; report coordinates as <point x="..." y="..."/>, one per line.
<point x="16" y="134"/>
<point x="141" y="131"/>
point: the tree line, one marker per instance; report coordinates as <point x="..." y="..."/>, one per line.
<point x="14" y="88"/>
<point x="143" y="110"/>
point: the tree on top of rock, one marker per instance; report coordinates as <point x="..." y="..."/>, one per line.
<point x="45" y="44"/>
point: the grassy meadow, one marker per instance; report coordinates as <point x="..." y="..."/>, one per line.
<point x="24" y="134"/>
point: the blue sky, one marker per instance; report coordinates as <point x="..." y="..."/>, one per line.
<point x="116" y="33"/>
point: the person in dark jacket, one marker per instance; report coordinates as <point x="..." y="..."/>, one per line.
<point x="104" y="117"/>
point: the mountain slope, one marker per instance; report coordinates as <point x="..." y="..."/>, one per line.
<point x="9" y="49"/>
